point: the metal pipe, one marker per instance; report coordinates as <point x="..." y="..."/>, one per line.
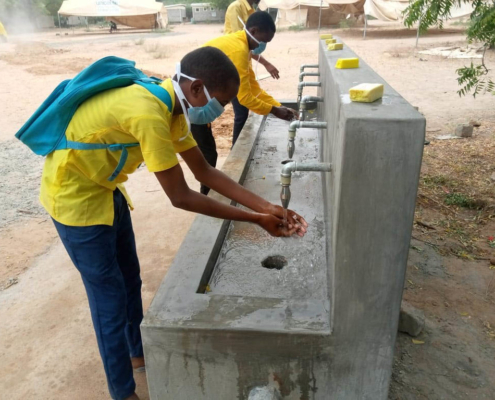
<point x="304" y="66"/>
<point x="292" y="166"/>
<point x="304" y="101"/>
<point x="294" y="125"/>
<point x="365" y="25"/>
<point x="300" y="87"/>
<point x="303" y="74"/>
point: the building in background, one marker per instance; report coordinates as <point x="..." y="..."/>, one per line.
<point x="176" y="13"/>
<point x="204" y="12"/>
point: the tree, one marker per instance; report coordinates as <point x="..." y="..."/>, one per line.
<point x="474" y="78"/>
<point x="52" y="6"/>
<point x="220" y="4"/>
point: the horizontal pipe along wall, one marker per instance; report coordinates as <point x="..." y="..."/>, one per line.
<point x="324" y="326"/>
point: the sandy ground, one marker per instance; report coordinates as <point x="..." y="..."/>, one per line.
<point x="47" y="345"/>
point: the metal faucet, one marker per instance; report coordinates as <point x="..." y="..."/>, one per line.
<point x="286" y="176"/>
<point x="294" y="125"/>
<point x="304" y="66"/>
<point x="303" y="105"/>
<point x="300" y="87"/>
<point x="303" y="74"/>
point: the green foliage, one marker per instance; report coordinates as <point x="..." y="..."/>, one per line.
<point x="220" y="4"/>
<point x="460" y="200"/>
<point x="473" y="79"/>
<point x="30" y="7"/>
<point x="347" y="23"/>
<point x="296" y="28"/>
<point x="52" y="6"/>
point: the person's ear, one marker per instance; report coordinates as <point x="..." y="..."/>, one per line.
<point x="197" y="88"/>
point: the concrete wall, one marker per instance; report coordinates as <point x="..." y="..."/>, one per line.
<point x="203" y="12"/>
<point x="376" y="151"/>
<point x="176" y="15"/>
<point x="225" y="344"/>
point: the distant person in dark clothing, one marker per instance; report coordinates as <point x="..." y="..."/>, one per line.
<point x="113" y="26"/>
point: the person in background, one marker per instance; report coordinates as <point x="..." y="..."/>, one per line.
<point x="236" y="17"/>
<point x="3" y="33"/>
<point x="260" y="30"/>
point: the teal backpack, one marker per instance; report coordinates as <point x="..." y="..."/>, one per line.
<point x="44" y="132"/>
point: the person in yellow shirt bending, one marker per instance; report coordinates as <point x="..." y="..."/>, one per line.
<point x="236" y="17"/>
<point x="91" y="212"/>
<point x="260" y="30"/>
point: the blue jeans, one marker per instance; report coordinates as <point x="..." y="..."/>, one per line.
<point x="241" y="114"/>
<point x="107" y="260"/>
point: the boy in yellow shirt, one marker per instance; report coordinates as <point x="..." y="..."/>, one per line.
<point x="260" y="30"/>
<point x="236" y="17"/>
<point x="91" y="213"/>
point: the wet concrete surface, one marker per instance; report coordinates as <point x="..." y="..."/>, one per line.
<point x="239" y="270"/>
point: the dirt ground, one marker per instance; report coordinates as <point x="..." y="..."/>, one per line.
<point x="47" y="345"/>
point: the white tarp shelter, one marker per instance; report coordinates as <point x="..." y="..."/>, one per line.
<point x="145" y="14"/>
<point x="312" y="13"/>
<point x="392" y="10"/>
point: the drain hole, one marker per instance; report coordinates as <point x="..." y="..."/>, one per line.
<point x="274" y="262"/>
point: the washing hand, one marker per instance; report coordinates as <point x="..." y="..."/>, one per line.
<point x="275" y="226"/>
<point x="295" y="223"/>
<point x="287" y="114"/>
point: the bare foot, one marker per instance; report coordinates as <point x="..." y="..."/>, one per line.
<point x="133" y="396"/>
<point x="137" y="362"/>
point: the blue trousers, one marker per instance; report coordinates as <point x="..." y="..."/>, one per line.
<point x="107" y="260"/>
<point x="241" y="114"/>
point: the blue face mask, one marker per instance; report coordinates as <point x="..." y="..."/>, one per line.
<point x="260" y="49"/>
<point x="197" y="115"/>
<point x="262" y="45"/>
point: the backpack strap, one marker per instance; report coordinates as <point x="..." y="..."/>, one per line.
<point x="151" y="84"/>
<point x="112" y="147"/>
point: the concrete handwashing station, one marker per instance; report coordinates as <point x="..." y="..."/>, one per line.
<point x="242" y="315"/>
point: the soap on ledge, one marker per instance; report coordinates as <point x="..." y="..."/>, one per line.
<point x="326" y="36"/>
<point x="335" y="46"/>
<point x="344" y="63"/>
<point x="366" y="92"/>
<point x="330" y="41"/>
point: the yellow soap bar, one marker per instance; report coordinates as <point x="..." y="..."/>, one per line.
<point x="335" y="46"/>
<point x="330" y="41"/>
<point x="344" y="63"/>
<point x="326" y="36"/>
<point x="366" y="92"/>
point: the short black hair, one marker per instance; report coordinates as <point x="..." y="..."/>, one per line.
<point x="212" y="66"/>
<point x="261" y="20"/>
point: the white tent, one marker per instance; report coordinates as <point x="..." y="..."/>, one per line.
<point x="135" y="13"/>
<point x="392" y="10"/>
<point x="312" y="13"/>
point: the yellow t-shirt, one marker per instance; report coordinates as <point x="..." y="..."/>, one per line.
<point x="3" y="32"/>
<point x="239" y="8"/>
<point x="75" y="189"/>
<point x="235" y="46"/>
